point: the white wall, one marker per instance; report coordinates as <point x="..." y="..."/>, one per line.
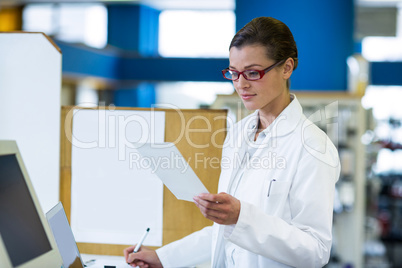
<point x="30" y="86"/>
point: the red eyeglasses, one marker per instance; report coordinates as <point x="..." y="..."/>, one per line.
<point x="250" y="75"/>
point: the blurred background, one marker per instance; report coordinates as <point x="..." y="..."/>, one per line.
<point x="147" y="53"/>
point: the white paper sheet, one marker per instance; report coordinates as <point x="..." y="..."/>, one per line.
<point x="113" y="202"/>
<point x="168" y="163"/>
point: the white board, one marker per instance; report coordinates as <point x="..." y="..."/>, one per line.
<point x="112" y="200"/>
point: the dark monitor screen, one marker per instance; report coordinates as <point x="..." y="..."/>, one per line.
<point x="20" y="226"/>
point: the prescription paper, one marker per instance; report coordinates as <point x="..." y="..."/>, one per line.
<point x="172" y="169"/>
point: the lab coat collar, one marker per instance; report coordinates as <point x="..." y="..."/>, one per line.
<point x="285" y="123"/>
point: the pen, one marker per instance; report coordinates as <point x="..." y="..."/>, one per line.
<point x="89" y="263"/>
<point x="269" y="188"/>
<point x="141" y="241"/>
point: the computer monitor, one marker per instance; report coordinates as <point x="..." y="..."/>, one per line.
<point x="26" y="239"/>
<point x="62" y="233"/>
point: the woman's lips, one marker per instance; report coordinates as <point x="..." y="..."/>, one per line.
<point x="247" y="96"/>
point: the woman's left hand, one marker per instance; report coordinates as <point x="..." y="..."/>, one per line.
<point x="221" y="208"/>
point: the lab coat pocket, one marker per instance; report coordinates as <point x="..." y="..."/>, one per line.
<point x="276" y="195"/>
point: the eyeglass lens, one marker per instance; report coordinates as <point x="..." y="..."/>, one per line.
<point x="249" y="75"/>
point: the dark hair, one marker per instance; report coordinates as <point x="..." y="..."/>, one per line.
<point x="271" y="33"/>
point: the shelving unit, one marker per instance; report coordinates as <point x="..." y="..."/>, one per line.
<point x="345" y="121"/>
<point x="385" y="195"/>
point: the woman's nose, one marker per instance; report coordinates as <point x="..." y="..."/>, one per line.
<point x="242" y="82"/>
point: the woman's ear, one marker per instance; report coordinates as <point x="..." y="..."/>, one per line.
<point x="288" y="68"/>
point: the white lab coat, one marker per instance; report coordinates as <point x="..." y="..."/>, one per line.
<point x="286" y="198"/>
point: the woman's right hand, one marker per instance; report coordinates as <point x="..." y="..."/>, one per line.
<point x="144" y="258"/>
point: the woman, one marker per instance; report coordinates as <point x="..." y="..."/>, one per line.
<point x="275" y="201"/>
